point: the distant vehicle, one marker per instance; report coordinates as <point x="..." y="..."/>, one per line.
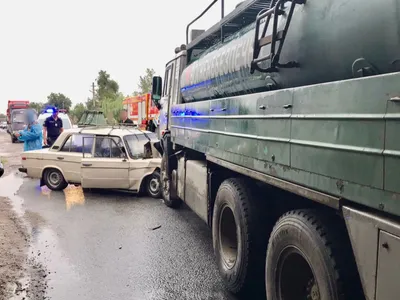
<point x="99" y="157"/>
<point x="62" y="114"/>
<point x="16" y="117"/>
<point x="142" y="111"/>
<point x="3" y="125"/>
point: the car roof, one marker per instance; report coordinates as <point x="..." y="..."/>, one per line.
<point x="109" y="130"/>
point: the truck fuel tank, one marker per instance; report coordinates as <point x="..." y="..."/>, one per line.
<point x="330" y="40"/>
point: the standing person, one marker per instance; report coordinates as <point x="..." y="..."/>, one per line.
<point x="124" y="117"/>
<point x="32" y="134"/>
<point x="52" y="128"/>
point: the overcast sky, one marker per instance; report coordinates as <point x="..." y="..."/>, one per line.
<point x="59" y="46"/>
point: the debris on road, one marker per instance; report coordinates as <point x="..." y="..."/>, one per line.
<point x="155" y="228"/>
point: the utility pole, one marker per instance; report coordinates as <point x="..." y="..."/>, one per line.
<point x="93" y="91"/>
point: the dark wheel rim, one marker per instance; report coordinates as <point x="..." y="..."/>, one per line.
<point x="154" y="186"/>
<point x="294" y="277"/>
<point x="54" y="179"/>
<point x="228" y="237"/>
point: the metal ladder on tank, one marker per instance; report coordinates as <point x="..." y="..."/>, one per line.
<point x="275" y="9"/>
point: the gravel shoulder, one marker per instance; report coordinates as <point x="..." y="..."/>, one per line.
<point x="13" y="250"/>
<point x="14" y="236"/>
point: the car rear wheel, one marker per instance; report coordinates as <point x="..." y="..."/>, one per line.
<point x="54" y="180"/>
<point x="154" y="185"/>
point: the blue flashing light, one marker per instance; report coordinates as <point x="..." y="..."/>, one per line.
<point x="49" y="110"/>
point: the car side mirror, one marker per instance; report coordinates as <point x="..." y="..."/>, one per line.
<point x="156" y="91"/>
<point x="147" y="152"/>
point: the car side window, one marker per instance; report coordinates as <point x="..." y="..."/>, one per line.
<point x="109" y="147"/>
<point x="75" y="143"/>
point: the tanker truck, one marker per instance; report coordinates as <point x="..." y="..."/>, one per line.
<point x="281" y="131"/>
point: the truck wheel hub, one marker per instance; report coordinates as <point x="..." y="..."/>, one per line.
<point x="228" y="237"/>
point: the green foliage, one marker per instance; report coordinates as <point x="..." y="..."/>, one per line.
<point x="59" y="100"/>
<point x="108" y="97"/>
<point x="112" y="106"/>
<point x="38" y="106"/>
<point x="2" y="116"/>
<point x="145" y="82"/>
<point x="90" y="104"/>
<point x="78" y="111"/>
<point x="106" y="87"/>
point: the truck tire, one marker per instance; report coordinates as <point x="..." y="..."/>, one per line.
<point x="169" y="200"/>
<point x="309" y="256"/>
<point x="13" y="139"/>
<point x="54" y="180"/>
<point x="239" y="238"/>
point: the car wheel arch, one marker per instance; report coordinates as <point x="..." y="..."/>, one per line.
<point x="52" y="167"/>
<point x="142" y="184"/>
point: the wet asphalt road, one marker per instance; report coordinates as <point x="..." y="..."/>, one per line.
<point x="111" y="246"/>
<point x="114" y="245"/>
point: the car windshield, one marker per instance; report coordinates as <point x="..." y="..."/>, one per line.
<point x="18" y="117"/>
<point x="136" y="145"/>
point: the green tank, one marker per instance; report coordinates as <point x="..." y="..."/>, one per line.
<point x="92" y="118"/>
<point x="326" y="40"/>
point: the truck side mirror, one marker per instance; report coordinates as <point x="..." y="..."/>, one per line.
<point x="156" y="91"/>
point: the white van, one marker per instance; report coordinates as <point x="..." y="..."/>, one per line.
<point x="67" y="124"/>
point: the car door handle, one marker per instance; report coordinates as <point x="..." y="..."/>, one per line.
<point x="86" y="165"/>
<point x="60" y="158"/>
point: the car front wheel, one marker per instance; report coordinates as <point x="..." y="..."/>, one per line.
<point x="154" y="185"/>
<point x="54" y="180"/>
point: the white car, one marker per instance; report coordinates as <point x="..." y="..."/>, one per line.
<point x="98" y="157"/>
<point x="67" y="124"/>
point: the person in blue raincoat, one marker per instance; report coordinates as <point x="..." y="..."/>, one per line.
<point x="32" y="135"/>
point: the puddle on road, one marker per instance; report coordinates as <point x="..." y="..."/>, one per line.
<point x="46" y="261"/>
<point x="9" y="188"/>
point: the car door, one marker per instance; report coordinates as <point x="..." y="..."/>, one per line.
<point x="107" y="167"/>
<point x="68" y="158"/>
<point x="139" y="165"/>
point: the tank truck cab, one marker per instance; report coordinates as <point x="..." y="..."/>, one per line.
<point x="166" y="94"/>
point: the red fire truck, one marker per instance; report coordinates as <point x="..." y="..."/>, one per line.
<point x="142" y="111"/>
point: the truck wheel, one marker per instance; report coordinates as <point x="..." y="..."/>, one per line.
<point x="239" y="237"/>
<point x="154" y="185"/>
<point x="306" y="260"/>
<point x="13" y="139"/>
<point x="54" y="180"/>
<point x="169" y="200"/>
